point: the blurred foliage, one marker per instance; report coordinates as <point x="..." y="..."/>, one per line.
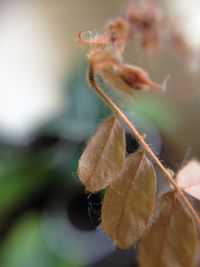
<point x="83" y="110"/>
<point x="25" y="246"/>
<point x="156" y="109"/>
<point x="21" y="175"/>
<point x="48" y="160"/>
<point x="24" y="170"/>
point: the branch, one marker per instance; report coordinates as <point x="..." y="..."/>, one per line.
<point x="95" y="86"/>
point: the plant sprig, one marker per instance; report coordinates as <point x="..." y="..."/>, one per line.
<point x="130" y="210"/>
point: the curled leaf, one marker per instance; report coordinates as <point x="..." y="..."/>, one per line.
<point x="96" y="41"/>
<point x="129" y="201"/>
<point x="188" y="178"/>
<point x="121" y="76"/>
<point x="171" y="240"/>
<point x="116" y="35"/>
<point x="103" y="157"/>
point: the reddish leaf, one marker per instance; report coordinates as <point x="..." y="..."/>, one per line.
<point x="103" y="157"/>
<point x="188" y="178"/>
<point x="128" y="203"/>
<point x="172" y="238"/>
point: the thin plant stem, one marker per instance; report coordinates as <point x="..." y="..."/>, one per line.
<point x="95" y="86"/>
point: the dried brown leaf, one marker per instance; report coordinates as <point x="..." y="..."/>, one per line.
<point x="171" y="240"/>
<point x="128" y="203"/>
<point x="188" y="178"/>
<point x="103" y="157"/>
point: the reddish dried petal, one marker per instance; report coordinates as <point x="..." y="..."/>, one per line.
<point x="188" y="178"/>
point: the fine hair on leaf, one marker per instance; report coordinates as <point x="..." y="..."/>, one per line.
<point x="103" y="156"/>
<point x="129" y="201"/>
<point x="172" y="238"/>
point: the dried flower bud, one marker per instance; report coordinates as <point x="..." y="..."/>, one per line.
<point x="119" y="75"/>
<point x="144" y="18"/>
<point x="148" y="22"/>
<point x="151" y="41"/>
<point x="136" y="78"/>
<point x="132" y="15"/>
<point x="119" y="32"/>
<point x="178" y="43"/>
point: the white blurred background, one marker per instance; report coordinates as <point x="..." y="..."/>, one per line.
<point x="37" y="49"/>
